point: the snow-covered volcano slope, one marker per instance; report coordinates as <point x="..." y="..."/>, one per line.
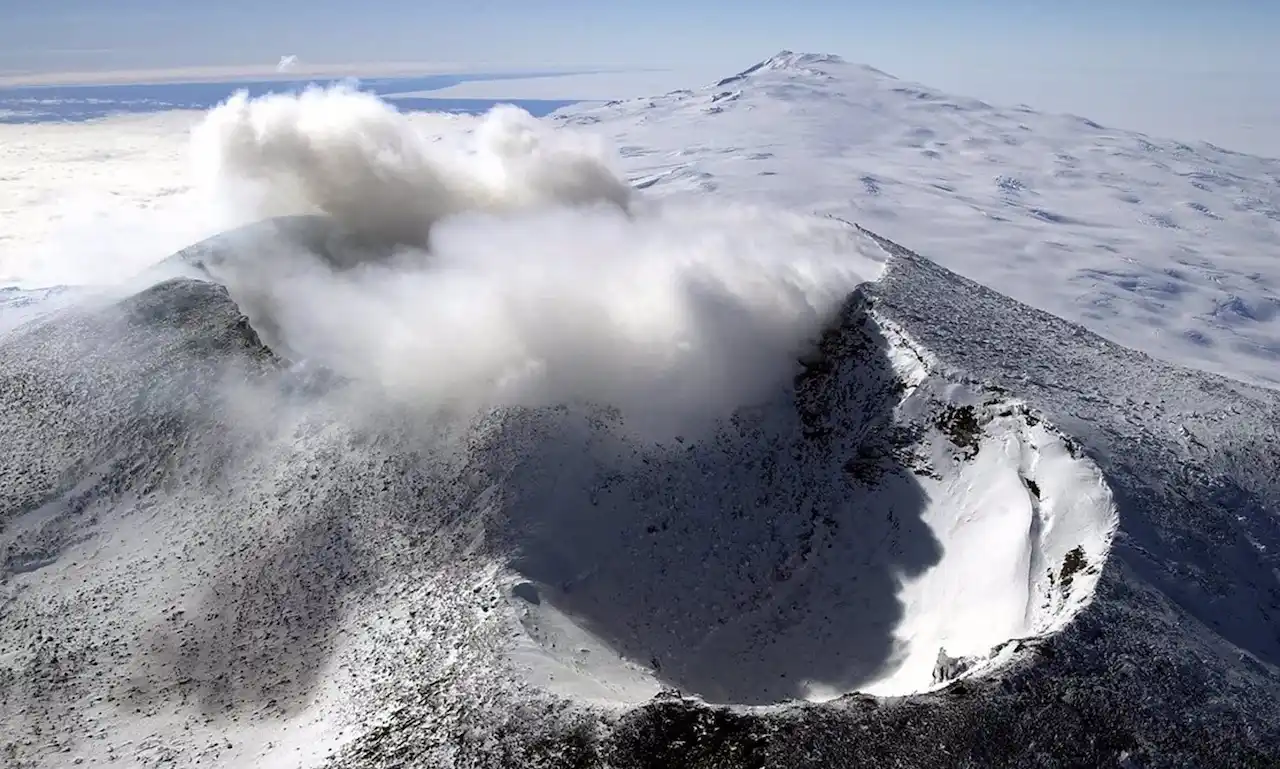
<point x="683" y="563"/>
<point x="213" y="557"/>
<point x="1174" y="662"/>
<point x="1164" y="246"/>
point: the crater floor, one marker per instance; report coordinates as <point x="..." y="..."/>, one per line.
<point x="904" y="537"/>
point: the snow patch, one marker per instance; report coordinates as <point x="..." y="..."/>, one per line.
<point x="1025" y="526"/>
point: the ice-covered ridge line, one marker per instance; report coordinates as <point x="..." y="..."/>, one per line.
<point x="801" y="64"/>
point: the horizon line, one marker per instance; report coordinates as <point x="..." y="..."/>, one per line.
<point x="272" y="72"/>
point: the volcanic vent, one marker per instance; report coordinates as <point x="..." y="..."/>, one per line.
<point x="885" y="528"/>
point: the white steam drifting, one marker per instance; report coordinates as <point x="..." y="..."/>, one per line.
<point x="525" y="271"/>
<point x="350" y="155"/>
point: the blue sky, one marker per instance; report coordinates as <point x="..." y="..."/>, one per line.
<point x="1139" y="63"/>
<point x="127" y="34"/>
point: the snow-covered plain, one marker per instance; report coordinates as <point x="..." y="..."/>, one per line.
<point x="255" y="565"/>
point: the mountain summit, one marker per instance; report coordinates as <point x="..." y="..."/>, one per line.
<point x="803" y="64"/>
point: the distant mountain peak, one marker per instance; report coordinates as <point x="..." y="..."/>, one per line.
<point x="802" y="63"/>
<point x="785" y="59"/>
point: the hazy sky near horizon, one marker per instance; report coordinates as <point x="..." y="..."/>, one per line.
<point x="1139" y="63"/>
<point x="126" y="34"/>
